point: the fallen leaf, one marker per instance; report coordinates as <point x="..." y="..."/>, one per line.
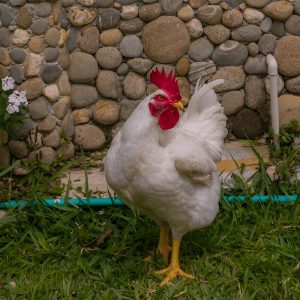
<point x="102" y="238"/>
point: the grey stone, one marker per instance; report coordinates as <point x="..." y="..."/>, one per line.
<point x="297" y="7"/>
<point x="67" y="126"/>
<point x="38" y="109"/>
<point x="18" y="149"/>
<point x="201" y="49"/>
<point x="234" y="3"/>
<point x="89" y="41"/>
<point x="108" y="84"/>
<point x="64" y="58"/>
<point x="203" y="70"/>
<point x="17" y="73"/>
<point x="255" y="94"/>
<point x="209" y="14"/>
<point x="103" y="3"/>
<point x="4" y="37"/>
<point x="256" y="65"/>
<point x="64" y="21"/>
<point x="217" y="34"/>
<point x="83" y="95"/>
<point x="278" y="29"/>
<point x="73" y="39"/>
<point x="293" y="85"/>
<point x="61" y="107"/>
<point x="131" y="46"/>
<point x="292" y="25"/>
<point x="170" y="7"/>
<point x="33" y="87"/>
<point x="127" y="108"/>
<point x="134" y="86"/>
<point x="108" y="57"/>
<point x="106" y="112"/>
<point x="52" y="139"/>
<point x="257" y="3"/>
<point x="246" y="34"/>
<point x="66" y="151"/>
<point x="67" y="3"/>
<point x="280" y="84"/>
<point x="230" y="53"/>
<point x="108" y="18"/>
<point x="123" y="69"/>
<point x="15" y="3"/>
<point x="6" y="16"/>
<point x="83" y="67"/>
<point x="266" y="25"/>
<point x="50" y="72"/>
<point x="45" y="154"/>
<point x="267" y="44"/>
<point x="43" y="9"/>
<point x="140" y="65"/>
<point x="52" y="37"/>
<point x="26" y="127"/>
<point x="232" y="102"/>
<point x="48" y="124"/>
<point x="246" y="124"/>
<point x="51" y="54"/>
<point x="39" y="26"/>
<point x="149" y="12"/>
<point x="253" y="49"/>
<point x="131" y="26"/>
<point x="126" y="2"/>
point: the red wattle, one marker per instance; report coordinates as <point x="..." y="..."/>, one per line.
<point x="168" y="119"/>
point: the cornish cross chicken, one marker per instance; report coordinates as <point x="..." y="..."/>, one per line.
<point x="163" y="163"/>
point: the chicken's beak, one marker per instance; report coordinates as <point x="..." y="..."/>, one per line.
<point x="178" y="105"/>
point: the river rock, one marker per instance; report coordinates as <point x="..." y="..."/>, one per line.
<point x="131" y="46"/>
<point x="83" y="67"/>
<point x="73" y="39"/>
<point x="234" y="78"/>
<point x="184" y="88"/>
<point x="165" y="39"/>
<point x="289" y="108"/>
<point x="195" y="28"/>
<point x="255" y="94"/>
<point x="67" y="126"/>
<point x="18" y="55"/>
<point x="39" y="26"/>
<point x="292" y="25"/>
<point x="89" y="137"/>
<point x="108" y="84"/>
<point x="257" y="3"/>
<point x="20" y="37"/>
<point x="33" y="88"/>
<point x="61" y="107"/>
<point x="48" y="124"/>
<point x="50" y="72"/>
<point x="246" y="124"/>
<point x="38" y="109"/>
<point x="79" y="15"/>
<point x="7" y="18"/>
<point x="63" y="84"/>
<point x="182" y="66"/>
<point x="81" y="116"/>
<point x="108" y="18"/>
<point x="230" y="53"/>
<point x="4" y="57"/>
<point x="266" y="25"/>
<point x="140" y="65"/>
<point x="123" y="69"/>
<point x="18" y="149"/>
<point x="52" y="37"/>
<point x="52" y="139"/>
<point x="232" y="102"/>
<point x="252" y="49"/>
<point x="43" y="9"/>
<point x="51" y="54"/>
<point x="232" y="18"/>
<point x="66" y="150"/>
<point x="4" y="37"/>
<point x="83" y="95"/>
<point x="17" y="74"/>
<point x="201" y="70"/>
<point x="33" y="65"/>
<point x="89" y="41"/>
<point x="279" y="10"/>
<point x="210" y="14"/>
<point x="185" y="13"/>
<point x="201" y="49"/>
<point x="280" y="84"/>
<point x="293" y="85"/>
<point x="253" y="16"/>
<point x="246" y="34"/>
<point x="256" y="65"/>
<point x="106" y="112"/>
<point x="45" y="154"/>
<point x="287" y="55"/>
<point x="134" y="86"/>
<point x="297" y="7"/>
<point x="267" y="43"/>
<point x="170" y="7"/>
<point x="25" y="128"/>
<point x="129" y="11"/>
<point x="51" y="92"/>
<point x="131" y="26"/>
<point x="149" y="12"/>
<point x="217" y="34"/>
<point x="127" y="108"/>
<point x="111" y="37"/>
<point x="24" y="18"/>
<point x="278" y="29"/>
<point x="108" y="57"/>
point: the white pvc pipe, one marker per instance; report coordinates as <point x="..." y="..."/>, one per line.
<point x="273" y="73"/>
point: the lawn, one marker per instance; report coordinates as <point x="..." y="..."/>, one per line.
<point x="251" y="251"/>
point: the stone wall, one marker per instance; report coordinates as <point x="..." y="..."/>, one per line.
<point x="84" y="64"/>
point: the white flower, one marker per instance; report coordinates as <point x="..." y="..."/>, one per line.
<point x="12" y="108"/>
<point x="15" y="100"/>
<point x="7" y="83"/>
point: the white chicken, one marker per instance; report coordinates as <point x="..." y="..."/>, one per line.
<point x="163" y="164"/>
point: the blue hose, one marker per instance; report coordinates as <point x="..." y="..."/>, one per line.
<point x="117" y="201"/>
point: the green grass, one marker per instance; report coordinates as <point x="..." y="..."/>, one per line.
<point x="250" y="252"/>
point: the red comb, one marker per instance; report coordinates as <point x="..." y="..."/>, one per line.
<point x="168" y="83"/>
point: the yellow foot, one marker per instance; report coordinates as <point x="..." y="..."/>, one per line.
<point x="172" y="272"/>
<point x="164" y="252"/>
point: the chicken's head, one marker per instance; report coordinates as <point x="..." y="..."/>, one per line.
<point x="165" y="104"/>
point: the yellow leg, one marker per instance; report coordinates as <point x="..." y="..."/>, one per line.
<point x="163" y="247"/>
<point x="174" y="269"/>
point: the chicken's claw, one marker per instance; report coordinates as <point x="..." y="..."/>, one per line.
<point x="172" y="272"/>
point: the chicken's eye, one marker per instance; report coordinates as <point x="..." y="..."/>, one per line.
<point x="160" y="97"/>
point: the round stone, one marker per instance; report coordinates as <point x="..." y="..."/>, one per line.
<point x="278" y="29"/>
<point x="132" y="26"/>
<point x="48" y="124"/>
<point x="287" y="55"/>
<point x="50" y="72"/>
<point x="203" y="70"/>
<point x="39" y="26"/>
<point x="81" y="116"/>
<point x="280" y="84"/>
<point x="134" y="86"/>
<point x="297" y="6"/>
<point x="67" y="126"/>
<point x="149" y="12"/>
<point x="38" y="109"/>
<point x="61" y="107"/>
<point x="24" y="18"/>
<point x="256" y="65"/>
<point x="165" y="39"/>
<point x="246" y="34"/>
<point x="46" y="154"/>
<point x="253" y="49"/>
<point x="4" y="37"/>
<point x="127" y="108"/>
<point x="4" y="57"/>
<point x="232" y="102"/>
<point x="217" y="34"/>
<point x="66" y="151"/>
<point x="255" y="95"/>
<point x="253" y="16"/>
<point x="52" y="37"/>
<point x="106" y="112"/>
<point x="43" y="9"/>
<point x="89" y="137"/>
<point x="52" y="139"/>
<point x="246" y="124"/>
<point x="182" y="66"/>
<point x="80" y="16"/>
<point x="51" y="92"/>
<point x="18" y="149"/>
<point x="257" y="3"/>
<point x="170" y="7"/>
<point x="33" y="88"/>
<point x="292" y="25"/>
<point x="230" y="53"/>
<point x="196" y="3"/>
<point x="15" y="3"/>
<point x="108" y="57"/>
<point x="185" y="13"/>
<point x="111" y="37"/>
<point x="184" y="88"/>
<point x="267" y="43"/>
<point x="83" y="95"/>
<point x="73" y="39"/>
<point x="83" y="67"/>
<point x="140" y="65"/>
<point x="279" y="10"/>
<point x="20" y="37"/>
<point x="289" y="109"/>
<point x="36" y="44"/>
<point x="234" y="78"/>
<point x="232" y="18"/>
<point x="89" y="41"/>
<point x="129" y="11"/>
<point x="16" y="73"/>
<point x="7" y="18"/>
<point x="266" y="25"/>
<point x="293" y="85"/>
<point x="25" y="128"/>
<point x="123" y="69"/>
<point x="63" y="84"/>
<point x="195" y="28"/>
<point x="64" y="58"/>
<point x="131" y="46"/>
<point x="210" y="14"/>
<point x="201" y="49"/>
<point x="108" y="84"/>
<point x="108" y="18"/>
<point x="51" y="54"/>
